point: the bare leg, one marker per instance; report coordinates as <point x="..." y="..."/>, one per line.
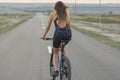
<point x="65" y="53"/>
<point x="55" y="58"/>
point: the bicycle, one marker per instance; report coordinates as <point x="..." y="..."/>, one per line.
<point x="64" y="65"/>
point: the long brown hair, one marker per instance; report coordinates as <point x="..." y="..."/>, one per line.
<point x="61" y="10"/>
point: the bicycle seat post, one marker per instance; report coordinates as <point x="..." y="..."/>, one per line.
<point x="62" y="45"/>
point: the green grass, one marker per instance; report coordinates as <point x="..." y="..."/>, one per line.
<point x="99" y="37"/>
<point x="8" y="22"/>
<point x="95" y="18"/>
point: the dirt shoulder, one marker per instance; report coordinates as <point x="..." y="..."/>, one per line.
<point x="109" y="34"/>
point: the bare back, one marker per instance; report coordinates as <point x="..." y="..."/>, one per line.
<point x="61" y="23"/>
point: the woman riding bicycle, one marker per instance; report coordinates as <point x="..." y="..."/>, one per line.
<point x="63" y="30"/>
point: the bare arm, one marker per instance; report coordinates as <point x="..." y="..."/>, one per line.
<point x="69" y="22"/>
<point x="69" y="25"/>
<point x="48" y="25"/>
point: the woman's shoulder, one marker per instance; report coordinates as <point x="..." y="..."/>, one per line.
<point x="53" y="14"/>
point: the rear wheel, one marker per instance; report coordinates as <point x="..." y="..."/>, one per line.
<point x="65" y="72"/>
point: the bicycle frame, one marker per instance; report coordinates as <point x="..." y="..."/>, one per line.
<point x="62" y="54"/>
<point x="60" y="59"/>
<point x="64" y="68"/>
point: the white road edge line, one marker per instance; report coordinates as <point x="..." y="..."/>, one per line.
<point x="49" y="49"/>
<point x="43" y="25"/>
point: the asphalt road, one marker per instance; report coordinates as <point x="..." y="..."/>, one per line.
<point x="24" y="56"/>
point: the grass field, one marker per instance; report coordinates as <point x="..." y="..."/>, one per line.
<point x="10" y="21"/>
<point x="100" y="37"/>
<point x="95" y="18"/>
<point x="101" y="34"/>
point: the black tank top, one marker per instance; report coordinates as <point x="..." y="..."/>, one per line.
<point x="57" y="27"/>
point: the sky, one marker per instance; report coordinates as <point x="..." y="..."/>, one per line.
<point x="66" y="1"/>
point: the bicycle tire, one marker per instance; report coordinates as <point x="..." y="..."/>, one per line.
<point x="51" y="68"/>
<point x="67" y="74"/>
<point x="51" y="65"/>
<point x="68" y="68"/>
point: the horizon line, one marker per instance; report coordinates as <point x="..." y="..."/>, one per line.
<point x="53" y="3"/>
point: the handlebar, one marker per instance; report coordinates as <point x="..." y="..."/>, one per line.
<point x="47" y="38"/>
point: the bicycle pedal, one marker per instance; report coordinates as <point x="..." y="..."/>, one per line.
<point x="55" y="73"/>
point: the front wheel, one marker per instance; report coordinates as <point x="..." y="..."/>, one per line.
<point x="65" y="73"/>
<point x="51" y="68"/>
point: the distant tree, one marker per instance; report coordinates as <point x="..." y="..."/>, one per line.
<point x="110" y="12"/>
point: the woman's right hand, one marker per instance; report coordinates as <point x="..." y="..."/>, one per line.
<point x="43" y="38"/>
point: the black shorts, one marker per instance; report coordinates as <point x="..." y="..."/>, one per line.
<point x="60" y="35"/>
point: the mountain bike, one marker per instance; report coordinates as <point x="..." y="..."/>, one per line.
<point x="64" y="65"/>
